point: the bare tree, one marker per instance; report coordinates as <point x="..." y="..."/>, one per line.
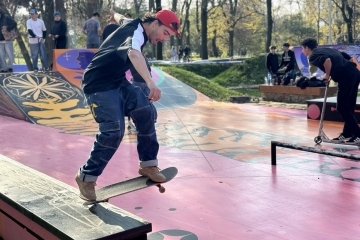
<point x="347" y="14"/>
<point x="232" y="19"/>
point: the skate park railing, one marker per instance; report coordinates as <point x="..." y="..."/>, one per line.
<point x="274" y="144"/>
<point x="36" y="206"/>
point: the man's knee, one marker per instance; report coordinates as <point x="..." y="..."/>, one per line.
<point x="110" y="135"/>
<point x="144" y="118"/>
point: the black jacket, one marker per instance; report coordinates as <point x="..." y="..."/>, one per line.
<point x="272" y="62"/>
<point x="107" y="68"/>
<point x="59" y="28"/>
<point x="288" y="60"/>
<point x="6" y="20"/>
<point x="341" y="68"/>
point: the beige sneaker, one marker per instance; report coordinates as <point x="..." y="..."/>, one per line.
<point x="87" y="189"/>
<point x="153" y="173"/>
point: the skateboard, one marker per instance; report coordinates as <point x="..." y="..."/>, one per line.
<point x="105" y="193"/>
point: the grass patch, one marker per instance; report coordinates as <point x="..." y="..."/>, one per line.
<point x="206" y="70"/>
<point x="201" y="84"/>
<point x="251" y="71"/>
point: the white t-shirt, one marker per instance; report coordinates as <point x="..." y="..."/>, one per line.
<point x="37" y="27"/>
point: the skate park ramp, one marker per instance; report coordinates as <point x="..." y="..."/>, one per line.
<point x="226" y="187"/>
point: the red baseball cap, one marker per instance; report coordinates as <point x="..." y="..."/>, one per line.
<point x="170" y="20"/>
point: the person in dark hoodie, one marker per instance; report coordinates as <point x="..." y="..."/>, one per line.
<point x="272" y="61"/>
<point x="7" y="24"/>
<point x="337" y="66"/>
<point x="58" y="32"/>
<point x="288" y="63"/>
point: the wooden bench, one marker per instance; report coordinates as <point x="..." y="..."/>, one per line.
<point x="293" y="94"/>
<point x="36" y="206"/>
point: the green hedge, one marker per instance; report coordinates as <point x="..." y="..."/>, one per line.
<point x="201" y="84"/>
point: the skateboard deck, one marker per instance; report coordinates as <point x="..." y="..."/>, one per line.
<point x="105" y="193"/>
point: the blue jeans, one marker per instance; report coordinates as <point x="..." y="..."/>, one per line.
<point x="144" y="88"/>
<point x="35" y="50"/>
<point x="109" y="109"/>
<point x="6" y="49"/>
<point x="9" y="49"/>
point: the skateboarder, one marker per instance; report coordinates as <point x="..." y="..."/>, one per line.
<point x="345" y="73"/>
<point x="110" y="96"/>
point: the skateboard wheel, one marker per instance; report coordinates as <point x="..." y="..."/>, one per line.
<point x="161" y="189"/>
<point x="318" y="139"/>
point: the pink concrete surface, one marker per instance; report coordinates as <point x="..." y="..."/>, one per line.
<point x="226" y="187"/>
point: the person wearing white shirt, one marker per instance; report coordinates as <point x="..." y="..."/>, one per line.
<point x="37" y="34"/>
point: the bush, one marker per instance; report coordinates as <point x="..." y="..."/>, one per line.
<point x="201" y="84"/>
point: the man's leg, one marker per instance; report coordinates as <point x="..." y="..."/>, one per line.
<point x="9" y="49"/>
<point x="43" y="56"/>
<point x="34" y="51"/>
<point x="2" y="58"/>
<point x="346" y="101"/>
<point x="138" y="106"/>
<point x="107" y="110"/>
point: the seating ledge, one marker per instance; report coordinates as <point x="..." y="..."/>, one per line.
<point x="293" y="90"/>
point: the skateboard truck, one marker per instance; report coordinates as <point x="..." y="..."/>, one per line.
<point x="161" y="188"/>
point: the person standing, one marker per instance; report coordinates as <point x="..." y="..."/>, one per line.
<point x="288" y="63"/>
<point x="181" y="52"/>
<point x="58" y="32"/>
<point x="37" y="34"/>
<point x="272" y="62"/>
<point x="92" y="30"/>
<point x="7" y="24"/>
<point x="187" y="51"/>
<point x="345" y="73"/>
<point x="173" y="53"/>
<point x="111" y="97"/>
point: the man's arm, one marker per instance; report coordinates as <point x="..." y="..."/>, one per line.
<point x="84" y="28"/>
<point x="282" y="61"/>
<point x="114" y="16"/>
<point x="138" y="61"/>
<point x="99" y="29"/>
<point x="327" y="66"/>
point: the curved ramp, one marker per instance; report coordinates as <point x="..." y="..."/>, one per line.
<point x="55" y="99"/>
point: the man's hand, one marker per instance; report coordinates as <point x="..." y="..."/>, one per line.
<point x="326" y="78"/>
<point x="155" y="92"/>
<point x="49" y="35"/>
<point x="56" y="36"/>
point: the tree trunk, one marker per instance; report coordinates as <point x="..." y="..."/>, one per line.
<point x="269" y="24"/>
<point x="174" y="9"/>
<point x="213" y="45"/>
<point x="347" y="13"/>
<point x="204" y="18"/>
<point x="47" y="13"/>
<point x="231" y="43"/>
<point x="159" y="55"/>
<point x="152" y="9"/>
